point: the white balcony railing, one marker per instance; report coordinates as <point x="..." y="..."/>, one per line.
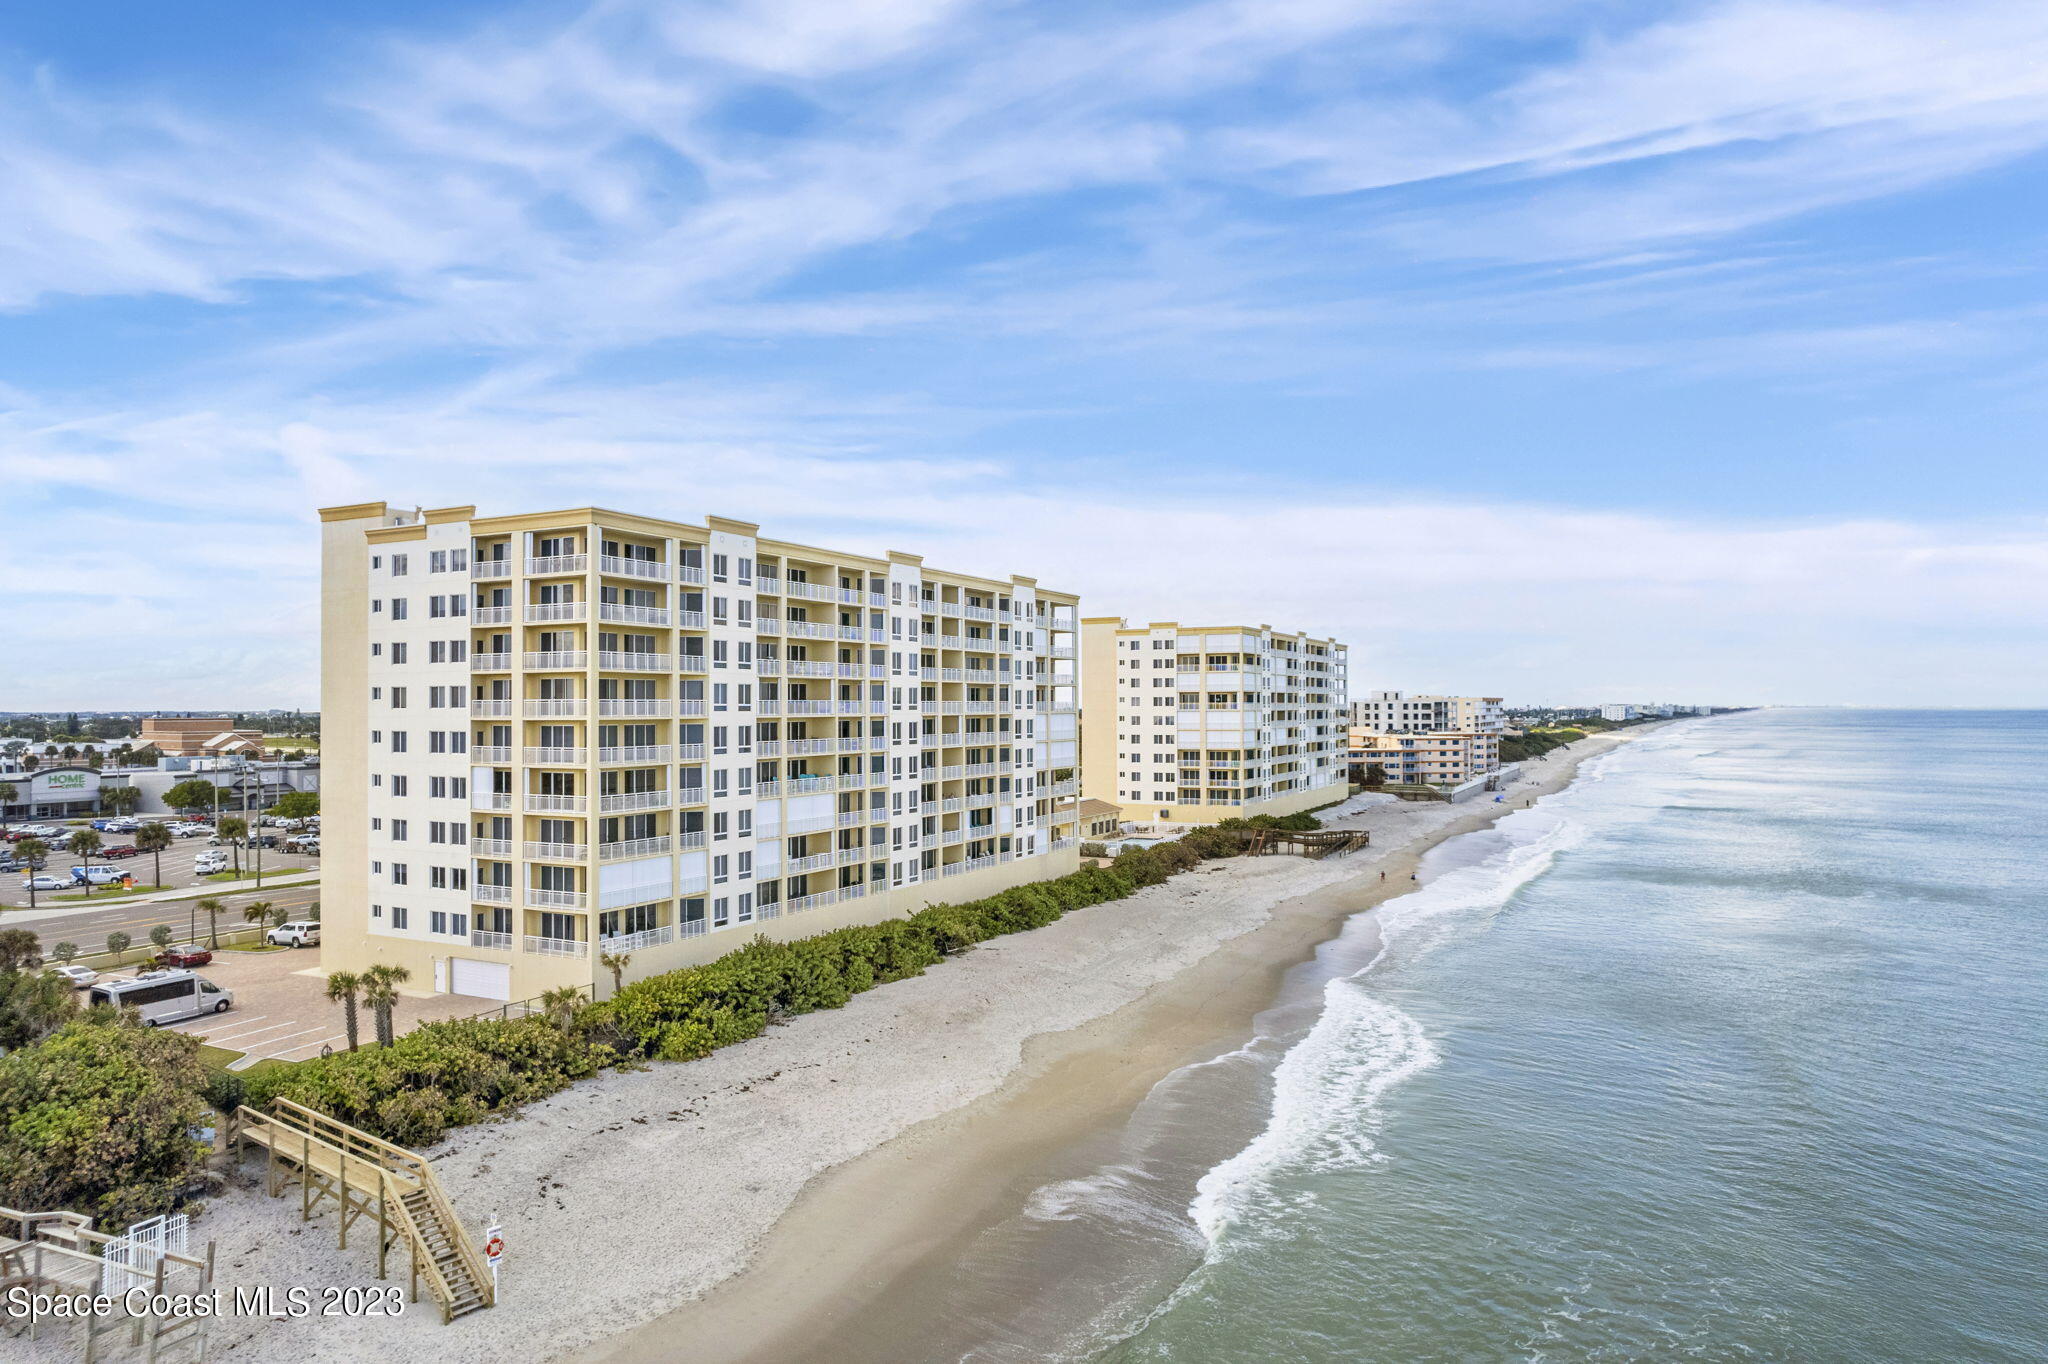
<point x="554" y="564"/>
<point x="632" y="615"/>
<point x="638" y="753"/>
<point x="632" y="942"/>
<point x="542" y="612"/>
<point x="634" y="847"/>
<point x="490" y="663"/>
<point x="653" y="710"/>
<point x="490" y="847"/>
<point x="555" y="947"/>
<point x="490" y="568"/>
<point x="491" y="706"/>
<point x="539" y="804"/>
<point x="570" y="707"/>
<point x="634" y="800"/>
<point x="542" y="898"/>
<point x="500" y="942"/>
<point x="690" y="573"/>
<point x="490" y="615"/>
<point x="655" y="569"/>
<point x="490" y="753"/>
<point x="558" y="757"/>
<point x="556" y="658"/>
<point x="490" y="800"/>
<point x="613" y="661"/>
<point x="558" y="852"/>
<point x="491" y="895"/>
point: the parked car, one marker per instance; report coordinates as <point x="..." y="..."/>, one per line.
<point x="44" y="883"/>
<point x="96" y="876"/>
<point x="187" y="830"/>
<point x="297" y="933"/>
<point x="79" y="976"/>
<point x="304" y="843"/>
<point x="183" y="958"/>
<point x="209" y="862"/>
<point x="121" y="850"/>
<point x="163" y="996"/>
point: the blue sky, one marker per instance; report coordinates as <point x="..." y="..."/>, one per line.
<point x="1569" y="351"/>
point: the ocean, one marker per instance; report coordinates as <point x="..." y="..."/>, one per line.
<point x="1734" y="1050"/>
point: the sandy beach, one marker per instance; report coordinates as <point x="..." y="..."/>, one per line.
<point x="749" y="1205"/>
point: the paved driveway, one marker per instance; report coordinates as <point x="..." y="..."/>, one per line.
<point x="282" y="1010"/>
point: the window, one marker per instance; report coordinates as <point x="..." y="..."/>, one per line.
<point x="398" y="831"/>
<point x="401" y="874"/>
<point x="398" y="565"/>
<point x="397" y="741"/>
<point x="398" y="608"/>
<point x="397" y="786"/>
<point x="437" y="921"/>
<point x="398" y="698"/>
<point x="399" y="916"/>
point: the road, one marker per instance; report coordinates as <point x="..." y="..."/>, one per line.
<point x="89" y="927"/>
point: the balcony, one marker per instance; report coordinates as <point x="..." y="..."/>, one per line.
<point x="491" y="615"/>
<point x="823" y="861"/>
<point x="490" y="800"/>
<point x="555" y="947"/>
<point x="539" y="804"/>
<point x="555" y="659"/>
<point x="611" y="661"/>
<point x="639" y="753"/>
<point x="557" y="757"/>
<point x="633" y="847"/>
<point x="490" y="663"/>
<point x="490" y="568"/>
<point x="497" y="942"/>
<point x="571" y="708"/>
<point x="490" y="847"/>
<point x="687" y="842"/>
<point x="650" y="710"/>
<point x="764" y="582"/>
<point x="493" y="706"/>
<point x="768" y="625"/>
<point x="690" y="573"/>
<point x="541" y="898"/>
<point x="690" y="753"/>
<point x="1060" y="651"/>
<point x="490" y="753"/>
<point x="690" y="663"/>
<point x="557" y="852"/>
<point x="543" y="612"/>
<point x="807" y="707"/>
<point x="690" y="620"/>
<point x="655" y="569"/>
<point x="632" y="615"/>
<point x="491" y="895"/>
<point x="554" y="565"/>
<point x="617" y="943"/>
<point x="810" y="591"/>
<point x="634" y="800"/>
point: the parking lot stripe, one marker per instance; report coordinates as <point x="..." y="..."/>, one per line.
<point x="308" y="1046"/>
<point x="232" y="1030"/>
<point x="272" y="1042"/>
<point x="190" y="1024"/>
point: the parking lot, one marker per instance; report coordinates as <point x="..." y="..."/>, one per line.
<point x="177" y="860"/>
<point x="282" y="1011"/>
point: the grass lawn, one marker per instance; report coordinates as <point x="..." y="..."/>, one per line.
<point x="110" y="894"/>
<point x="218" y="1058"/>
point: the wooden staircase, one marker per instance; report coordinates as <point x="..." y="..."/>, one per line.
<point x="366" y="1176"/>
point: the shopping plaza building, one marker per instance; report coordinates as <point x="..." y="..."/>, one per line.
<point x="554" y="737"/>
<point x="1195" y="724"/>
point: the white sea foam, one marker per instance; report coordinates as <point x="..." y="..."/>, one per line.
<point x="1327" y="1089"/>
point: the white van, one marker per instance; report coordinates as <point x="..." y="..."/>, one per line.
<point x="163" y="996"/>
<point x="297" y="933"/>
<point x="209" y="862"/>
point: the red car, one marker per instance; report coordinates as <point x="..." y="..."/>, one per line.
<point x="125" y="850"/>
<point x="183" y="956"/>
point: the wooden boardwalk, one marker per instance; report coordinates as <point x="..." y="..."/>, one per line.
<point x="1314" y="844"/>
<point x="365" y="1177"/>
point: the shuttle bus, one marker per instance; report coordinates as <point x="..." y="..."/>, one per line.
<point x="164" y="996"/>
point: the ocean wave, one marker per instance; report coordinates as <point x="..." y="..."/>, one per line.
<point x="1327" y="1088"/>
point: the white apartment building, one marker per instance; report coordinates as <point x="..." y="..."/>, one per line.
<point x="557" y="735"/>
<point x="1618" y="712"/>
<point x="1392" y="712"/>
<point x="1195" y="724"/>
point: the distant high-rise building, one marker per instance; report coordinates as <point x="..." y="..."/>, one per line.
<point x="1392" y="712"/>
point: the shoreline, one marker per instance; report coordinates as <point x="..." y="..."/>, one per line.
<point x="850" y="1272"/>
<point x="643" y="1208"/>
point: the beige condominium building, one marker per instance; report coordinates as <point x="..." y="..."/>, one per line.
<point x="553" y="736"/>
<point x="1392" y="712"/>
<point x="1430" y="758"/>
<point x="1194" y="724"/>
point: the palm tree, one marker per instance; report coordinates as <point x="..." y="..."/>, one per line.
<point x="153" y="838"/>
<point x="380" y="992"/>
<point x="212" y="907"/>
<point x="84" y="843"/>
<point x="616" y="963"/>
<point x="33" y="852"/>
<point x="260" y="913"/>
<point x="117" y="942"/>
<point x="560" y="1004"/>
<point x="121" y="800"/>
<point x="343" y="987"/>
<point x="8" y="795"/>
<point x="233" y="829"/>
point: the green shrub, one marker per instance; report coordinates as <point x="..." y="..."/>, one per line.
<point x="98" y="1117"/>
<point x="1094" y="850"/>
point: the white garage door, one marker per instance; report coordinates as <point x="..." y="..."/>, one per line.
<point x="484" y="979"/>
